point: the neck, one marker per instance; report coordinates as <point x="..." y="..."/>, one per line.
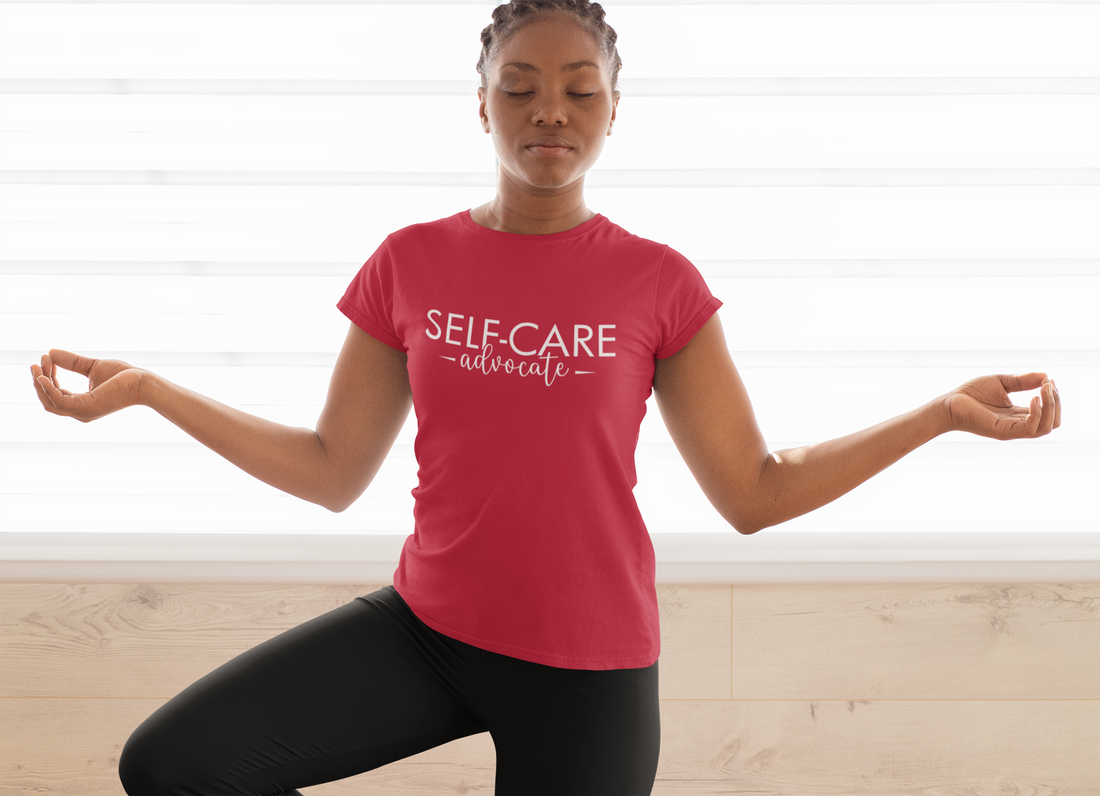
<point x="530" y="214"/>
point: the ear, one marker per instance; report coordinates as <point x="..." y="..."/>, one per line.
<point x="482" y="98"/>
<point x="614" y="108"/>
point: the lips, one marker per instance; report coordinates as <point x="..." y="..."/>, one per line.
<point x="550" y="141"/>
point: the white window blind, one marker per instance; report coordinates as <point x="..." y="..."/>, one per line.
<point x="890" y="198"/>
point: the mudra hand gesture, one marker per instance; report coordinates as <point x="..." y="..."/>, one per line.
<point x="982" y="406"/>
<point x="112" y="385"/>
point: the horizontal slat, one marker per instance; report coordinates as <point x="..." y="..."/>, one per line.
<point x="256" y="115"/>
<point x="844" y="401"/>
<point x="672" y="573"/>
<point x="201" y="492"/>
<point x="732" y="40"/>
<point x="918" y="493"/>
<point x="240" y="41"/>
<point x="605" y="178"/>
<point x="987" y="132"/>
<point x="294" y="207"/>
<point x="868" y="268"/>
<point x="849" y="131"/>
<point x="92" y="332"/>
<point x="197" y="472"/>
<point x="870" y="329"/>
<point x="713" y="223"/>
<point x="414" y="153"/>
<point x="1026" y="565"/>
<point x="1006" y="360"/>
<point x="347" y="223"/>
<point x="379" y="207"/>
<point x="777" y="395"/>
<point x="245" y="296"/>
<point x="634" y="87"/>
<point x="777" y="546"/>
<point x="825" y="403"/>
<point x="119" y="451"/>
<point x="280" y="393"/>
<point x="157" y="514"/>
<point x="176" y="295"/>
<point x="171" y="313"/>
<point x="30" y="424"/>
<point x="374" y="179"/>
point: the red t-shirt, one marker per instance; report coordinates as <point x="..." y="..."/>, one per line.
<point x="530" y="359"/>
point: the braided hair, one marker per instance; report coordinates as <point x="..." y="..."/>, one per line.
<point x="510" y="17"/>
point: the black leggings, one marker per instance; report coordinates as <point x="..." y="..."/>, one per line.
<point x="369" y="683"/>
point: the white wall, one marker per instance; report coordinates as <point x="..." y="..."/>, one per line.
<point x="890" y="198"/>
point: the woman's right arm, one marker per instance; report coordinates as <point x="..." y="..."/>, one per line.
<point x="368" y="400"/>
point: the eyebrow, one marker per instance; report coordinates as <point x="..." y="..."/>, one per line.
<point x="573" y="67"/>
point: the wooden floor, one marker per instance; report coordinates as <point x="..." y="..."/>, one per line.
<point x="883" y="690"/>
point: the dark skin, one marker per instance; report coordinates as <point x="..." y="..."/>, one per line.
<point x="698" y="390"/>
<point x="539" y="195"/>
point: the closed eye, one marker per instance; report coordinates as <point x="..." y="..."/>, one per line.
<point x="526" y="93"/>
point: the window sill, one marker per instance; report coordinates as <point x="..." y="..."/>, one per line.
<point x="724" y="558"/>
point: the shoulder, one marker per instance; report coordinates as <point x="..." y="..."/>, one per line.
<point x="619" y="234"/>
<point x="638" y="248"/>
<point x="663" y="258"/>
<point x="427" y="230"/>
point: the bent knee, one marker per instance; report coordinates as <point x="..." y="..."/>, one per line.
<point x="148" y="765"/>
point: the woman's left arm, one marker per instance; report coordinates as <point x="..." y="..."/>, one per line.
<point x="708" y="414"/>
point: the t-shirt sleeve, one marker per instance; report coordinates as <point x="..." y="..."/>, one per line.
<point x="368" y="301"/>
<point x="682" y="304"/>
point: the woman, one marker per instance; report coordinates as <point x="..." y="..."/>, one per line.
<point x="527" y="333"/>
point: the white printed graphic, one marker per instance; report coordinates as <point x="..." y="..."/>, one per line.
<point x="549" y="357"/>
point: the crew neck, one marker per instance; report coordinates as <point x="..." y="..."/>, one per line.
<point x="581" y="229"/>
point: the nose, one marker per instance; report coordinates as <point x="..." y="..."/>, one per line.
<point x="550" y="111"/>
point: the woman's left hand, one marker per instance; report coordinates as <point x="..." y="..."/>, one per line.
<point x="982" y="406"/>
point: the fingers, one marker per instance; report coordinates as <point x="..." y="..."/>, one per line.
<point x="1021" y="381"/>
<point x="49" y="369"/>
<point x="1050" y="401"/>
<point x="1043" y="411"/>
<point x="36" y="372"/>
<point x="1034" y="417"/>
<point x="42" y="384"/>
<point x="70" y="361"/>
<point x="53" y="397"/>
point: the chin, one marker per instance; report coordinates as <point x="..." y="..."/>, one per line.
<point x="551" y="175"/>
<point x="556" y="185"/>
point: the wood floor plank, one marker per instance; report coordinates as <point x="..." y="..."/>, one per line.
<point x="71" y="747"/>
<point x="904" y="641"/>
<point x="695" y="641"/>
<point x="887" y="748"/>
<point x="875" y="690"/>
<point x="884" y="748"/>
<point x="62" y="640"/>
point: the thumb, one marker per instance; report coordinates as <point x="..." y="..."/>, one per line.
<point x="70" y="361"/>
<point x="1022" y="381"/>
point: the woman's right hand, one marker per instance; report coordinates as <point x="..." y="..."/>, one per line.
<point x="113" y="385"/>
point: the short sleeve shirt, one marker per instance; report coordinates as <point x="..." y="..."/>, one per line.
<point x="530" y="359"/>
